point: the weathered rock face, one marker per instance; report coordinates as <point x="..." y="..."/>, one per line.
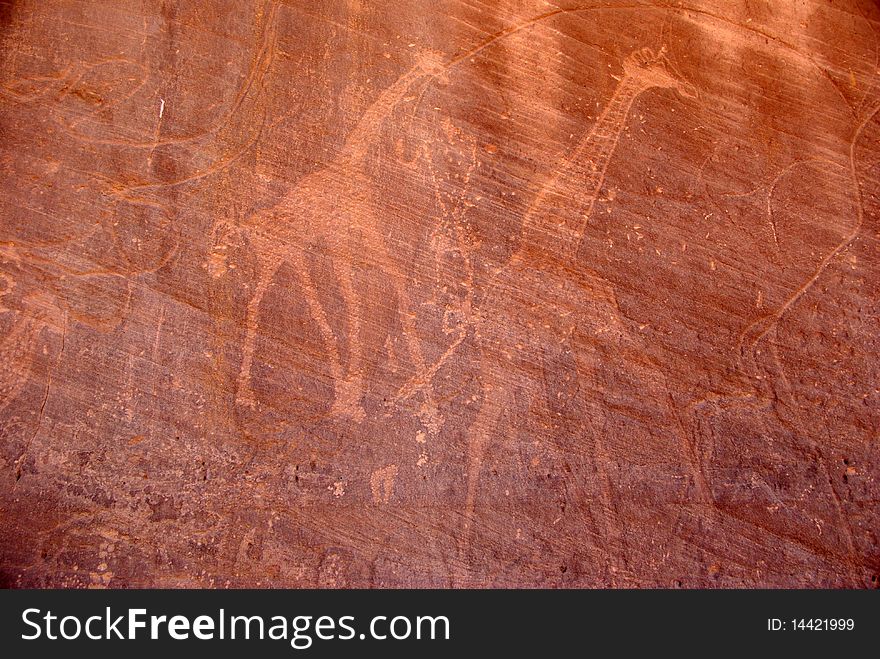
<point x="439" y="294"/>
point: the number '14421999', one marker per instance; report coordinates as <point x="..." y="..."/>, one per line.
<point x="810" y="624"/>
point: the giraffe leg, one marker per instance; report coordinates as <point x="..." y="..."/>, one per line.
<point x="316" y="311"/>
<point x="244" y="391"/>
<point x="605" y="516"/>
<point x="479" y="436"/>
<point x="429" y="413"/>
<point x="350" y="387"/>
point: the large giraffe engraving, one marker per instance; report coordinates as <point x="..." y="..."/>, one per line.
<point x="516" y="329"/>
<point x="333" y="206"/>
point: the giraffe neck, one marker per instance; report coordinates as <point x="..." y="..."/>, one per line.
<point x="361" y="139"/>
<point x="555" y="222"/>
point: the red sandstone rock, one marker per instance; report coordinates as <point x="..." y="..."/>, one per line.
<point x="420" y="294"/>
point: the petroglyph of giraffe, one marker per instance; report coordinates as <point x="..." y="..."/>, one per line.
<point x="517" y="327"/>
<point x="333" y="206"/>
<point x="758" y="359"/>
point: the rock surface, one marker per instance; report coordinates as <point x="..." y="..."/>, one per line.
<point x="337" y="294"/>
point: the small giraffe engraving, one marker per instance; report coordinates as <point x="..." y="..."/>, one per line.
<point x="512" y="342"/>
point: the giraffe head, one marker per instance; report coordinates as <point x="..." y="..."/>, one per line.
<point x="654" y="70"/>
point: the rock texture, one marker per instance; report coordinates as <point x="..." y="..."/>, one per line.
<point x="455" y="293"/>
